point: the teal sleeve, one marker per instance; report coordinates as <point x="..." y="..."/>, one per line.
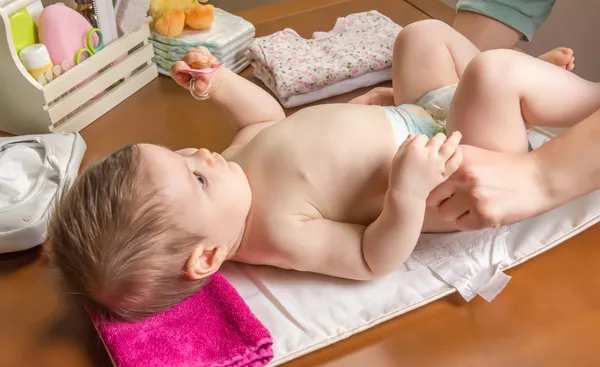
<point x="525" y="16"/>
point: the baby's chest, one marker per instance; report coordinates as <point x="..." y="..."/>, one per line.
<point x="266" y="238"/>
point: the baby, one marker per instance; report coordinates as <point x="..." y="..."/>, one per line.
<point x="337" y="189"/>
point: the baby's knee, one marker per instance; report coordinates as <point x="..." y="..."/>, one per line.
<point x="490" y="69"/>
<point x="422" y="32"/>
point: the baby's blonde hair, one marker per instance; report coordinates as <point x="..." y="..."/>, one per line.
<point x="116" y="244"/>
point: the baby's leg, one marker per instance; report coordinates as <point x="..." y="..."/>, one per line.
<point x="428" y="55"/>
<point x="503" y="90"/>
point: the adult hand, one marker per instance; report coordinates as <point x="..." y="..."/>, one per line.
<point x="379" y="96"/>
<point x="491" y="189"/>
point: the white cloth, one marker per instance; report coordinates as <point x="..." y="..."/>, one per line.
<point x="33" y="171"/>
<point x="345" y="86"/>
<point x="460" y="261"/>
<point x="130" y="15"/>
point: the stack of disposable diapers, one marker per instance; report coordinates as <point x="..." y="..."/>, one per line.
<point x="356" y="53"/>
<point x="228" y="40"/>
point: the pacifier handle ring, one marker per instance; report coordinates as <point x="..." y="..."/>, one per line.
<point x="199" y="97"/>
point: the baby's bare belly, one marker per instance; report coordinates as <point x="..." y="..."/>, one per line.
<point x="335" y="159"/>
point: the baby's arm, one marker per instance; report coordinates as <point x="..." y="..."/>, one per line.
<point x="243" y="102"/>
<point x="363" y="252"/>
<point x="355" y="251"/>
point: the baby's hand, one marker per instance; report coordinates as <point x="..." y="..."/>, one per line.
<point x="195" y="58"/>
<point x="421" y="164"/>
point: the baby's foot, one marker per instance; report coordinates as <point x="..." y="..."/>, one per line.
<point x="560" y="56"/>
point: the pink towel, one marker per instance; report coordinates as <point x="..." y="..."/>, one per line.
<point x="213" y="328"/>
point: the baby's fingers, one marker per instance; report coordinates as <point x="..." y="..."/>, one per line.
<point x="454" y="162"/>
<point x="407" y="141"/>
<point x="402" y="148"/>
<point x="203" y="51"/>
<point x="179" y="74"/>
<point x="420" y="141"/>
<point x="436" y="142"/>
<point x="450" y="145"/>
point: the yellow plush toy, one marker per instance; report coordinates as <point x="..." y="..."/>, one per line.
<point x="171" y="16"/>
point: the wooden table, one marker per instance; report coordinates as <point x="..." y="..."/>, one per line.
<point x="549" y="315"/>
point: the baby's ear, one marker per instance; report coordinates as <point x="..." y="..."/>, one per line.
<point x="205" y="260"/>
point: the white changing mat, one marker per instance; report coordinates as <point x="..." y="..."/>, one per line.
<point x="306" y="312"/>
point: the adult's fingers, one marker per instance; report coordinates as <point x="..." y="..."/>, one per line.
<point x="441" y="192"/>
<point x="377" y="96"/>
<point x="470" y="222"/>
<point x="454" y="207"/>
<point x="364" y="99"/>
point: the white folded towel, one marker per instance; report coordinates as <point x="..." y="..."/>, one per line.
<point x="345" y="86"/>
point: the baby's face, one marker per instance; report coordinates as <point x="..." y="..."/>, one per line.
<point x="211" y="196"/>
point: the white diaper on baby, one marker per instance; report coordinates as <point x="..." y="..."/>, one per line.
<point x="306" y="312"/>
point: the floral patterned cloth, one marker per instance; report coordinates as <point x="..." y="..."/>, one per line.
<point x="291" y="65"/>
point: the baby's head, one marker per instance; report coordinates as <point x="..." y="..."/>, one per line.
<point x="143" y="229"/>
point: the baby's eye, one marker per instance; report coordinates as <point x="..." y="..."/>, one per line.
<point x="201" y="180"/>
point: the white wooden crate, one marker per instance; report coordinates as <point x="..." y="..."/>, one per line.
<point x="79" y="96"/>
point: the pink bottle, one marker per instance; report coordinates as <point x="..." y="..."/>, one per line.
<point x="63" y="31"/>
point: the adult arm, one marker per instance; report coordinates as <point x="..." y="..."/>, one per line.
<point x="491" y="189"/>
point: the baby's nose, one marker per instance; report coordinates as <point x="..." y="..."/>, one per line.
<point x="207" y="156"/>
